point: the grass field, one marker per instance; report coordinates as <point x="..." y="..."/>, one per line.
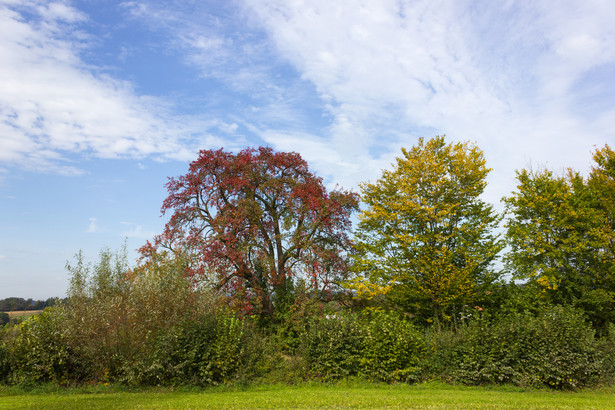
<point x="344" y="395"/>
<point x="16" y="314"/>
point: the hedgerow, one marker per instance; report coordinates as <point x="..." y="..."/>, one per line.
<point x="556" y="348"/>
<point x="157" y="327"/>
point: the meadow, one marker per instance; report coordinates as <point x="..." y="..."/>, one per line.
<point x="22" y="314"/>
<point x="310" y="395"/>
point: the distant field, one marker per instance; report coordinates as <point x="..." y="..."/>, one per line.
<point x="427" y="395"/>
<point x="14" y="314"/>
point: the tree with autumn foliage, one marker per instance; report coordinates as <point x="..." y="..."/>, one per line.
<point x="561" y="233"/>
<point x="426" y="239"/>
<point x="256" y="221"/>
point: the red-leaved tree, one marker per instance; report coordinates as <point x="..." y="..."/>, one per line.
<point x="255" y="222"/>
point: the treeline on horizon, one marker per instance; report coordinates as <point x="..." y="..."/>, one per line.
<point x="15" y="304"/>
<point x="257" y="277"/>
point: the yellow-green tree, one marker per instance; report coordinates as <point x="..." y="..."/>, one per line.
<point x="601" y="183"/>
<point x="426" y="240"/>
<point x="561" y="234"/>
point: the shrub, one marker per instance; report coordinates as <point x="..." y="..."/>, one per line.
<point x="203" y="351"/>
<point x="115" y="315"/>
<point x="565" y="354"/>
<point x="273" y="365"/>
<point x="5" y="366"/>
<point x="377" y="345"/>
<point x="293" y="322"/>
<point x="39" y="351"/>
<point x="606" y="347"/>
<point x="392" y="348"/>
<point x="332" y="345"/>
<point x="555" y="348"/>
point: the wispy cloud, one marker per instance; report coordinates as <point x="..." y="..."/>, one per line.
<point x="345" y="83"/>
<point x="137" y="231"/>
<point x="507" y="75"/>
<point x="52" y="104"/>
<point x="251" y="83"/>
<point x="93" y="226"/>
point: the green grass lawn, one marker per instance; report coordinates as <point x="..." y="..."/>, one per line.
<point x="343" y="395"/>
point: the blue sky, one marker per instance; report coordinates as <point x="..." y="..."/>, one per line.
<point x="101" y="101"/>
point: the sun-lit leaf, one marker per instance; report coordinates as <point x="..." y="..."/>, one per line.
<point x="426" y="240"/>
<point x="255" y="221"/>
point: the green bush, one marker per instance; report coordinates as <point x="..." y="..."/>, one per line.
<point x="332" y="345"/>
<point x="5" y="366"/>
<point x="566" y="354"/>
<point x="554" y="348"/>
<point x="293" y="322"/>
<point x="606" y="347"/>
<point x="115" y="315"/>
<point x="392" y="348"/>
<point x="39" y="351"/>
<point x="153" y="326"/>
<point x="273" y="365"/>
<point x="205" y="351"/>
<point x="377" y="345"/>
<point x="113" y="318"/>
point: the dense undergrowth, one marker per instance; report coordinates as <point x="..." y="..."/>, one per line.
<point x="157" y="328"/>
<point x="555" y="348"/>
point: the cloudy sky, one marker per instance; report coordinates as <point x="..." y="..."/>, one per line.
<point x="101" y="101"/>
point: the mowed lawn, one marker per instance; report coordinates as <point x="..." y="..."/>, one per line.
<point x="428" y="395"/>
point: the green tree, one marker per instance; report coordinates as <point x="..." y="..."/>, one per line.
<point x="561" y="236"/>
<point x="426" y="240"/>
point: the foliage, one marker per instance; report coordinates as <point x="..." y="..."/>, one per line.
<point x="555" y="348"/>
<point x="377" y="345"/>
<point x="257" y="232"/>
<point x="601" y="182"/>
<point x="203" y="351"/>
<point x="426" y="238"/>
<point x="392" y="349"/>
<point x="606" y="346"/>
<point x="277" y="366"/>
<point x="4" y="318"/>
<point x="562" y="237"/>
<point x="96" y="312"/>
<point x="12" y="304"/>
<point x="5" y="364"/>
<point x="256" y="220"/>
<point x="38" y="351"/>
<point x="293" y="323"/>
<point x="332" y="346"/>
<point x="115" y="317"/>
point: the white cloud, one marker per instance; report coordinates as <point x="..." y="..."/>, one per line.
<point x="93" y="226"/>
<point x="137" y="231"/>
<point x="517" y="78"/>
<point x="236" y="56"/>
<point x="500" y="74"/>
<point x="52" y="104"/>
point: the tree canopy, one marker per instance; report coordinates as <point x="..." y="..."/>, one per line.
<point x="256" y="221"/>
<point x="426" y="239"/>
<point x="562" y="238"/>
